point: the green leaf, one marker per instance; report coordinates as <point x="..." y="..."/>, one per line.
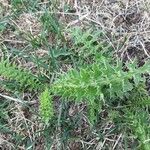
<point x="46" y="106"/>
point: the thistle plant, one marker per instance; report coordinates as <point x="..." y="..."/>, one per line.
<point x="26" y="80"/>
<point x="46" y="105"/>
<point x="139" y="121"/>
<point x="98" y="81"/>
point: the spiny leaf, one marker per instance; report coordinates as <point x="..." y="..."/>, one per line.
<point x="87" y="42"/>
<point x="25" y="78"/>
<point x="139" y="123"/>
<point x="46" y="106"/>
<point x="92" y="80"/>
<point x="103" y="78"/>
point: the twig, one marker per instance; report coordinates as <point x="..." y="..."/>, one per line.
<point x="117" y="141"/>
<point x="17" y="100"/>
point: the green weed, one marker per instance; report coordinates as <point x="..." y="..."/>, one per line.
<point x="78" y="69"/>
